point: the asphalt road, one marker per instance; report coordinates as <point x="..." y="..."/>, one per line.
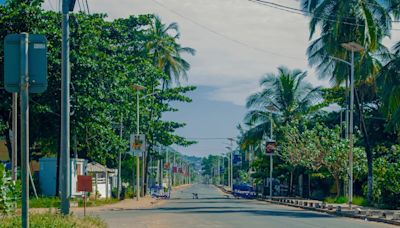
<point x="213" y="209"/>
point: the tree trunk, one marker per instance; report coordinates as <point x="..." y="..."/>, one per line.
<point x="368" y="149"/>
<point x="337" y="184"/>
<point x="291" y="183"/>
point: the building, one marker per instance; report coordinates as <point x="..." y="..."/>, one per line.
<point x="48" y="175"/>
<point x="104" y="179"/>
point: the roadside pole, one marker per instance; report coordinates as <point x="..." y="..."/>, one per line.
<point x="65" y="109"/>
<point x="14" y="158"/>
<point x="219" y="172"/>
<point x="137" y="156"/>
<point x="119" y="160"/>
<point x="271" y="164"/>
<point x="174" y="171"/>
<point x="24" y="102"/>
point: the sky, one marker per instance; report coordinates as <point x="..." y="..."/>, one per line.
<point x="237" y="42"/>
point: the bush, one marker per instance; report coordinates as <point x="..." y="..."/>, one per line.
<point x="128" y="192"/>
<point x="53" y="220"/>
<point x="9" y="192"/>
<point x="357" y="200"/>
<point x="386" y="176"/>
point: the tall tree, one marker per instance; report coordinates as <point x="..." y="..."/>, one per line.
<point x="166" y="52"/>
<point x="342" y="21"/>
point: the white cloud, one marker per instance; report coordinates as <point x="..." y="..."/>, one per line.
<point x="237" y="41"/>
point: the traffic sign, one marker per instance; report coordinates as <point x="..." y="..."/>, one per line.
<point x="137" y="144"/>
<point x="37" y="63"/>
<point x="270" y="147"/>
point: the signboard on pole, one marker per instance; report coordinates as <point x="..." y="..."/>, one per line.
<point x="137" y="144"/>
<point x="84" y="184"/>
<point x="166" y="165"/>
<point x="37" y="62"/>
<point x="270" y="147"/>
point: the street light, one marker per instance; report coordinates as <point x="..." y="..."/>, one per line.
<point x="229" y="165"/>
<point x="352" y="47"/>
<point x="231" y="171"/>
<point x="271" y="110"/>
<point x="138" y="88"/>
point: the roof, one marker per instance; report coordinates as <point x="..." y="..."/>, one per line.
<point x="94" y="167"/>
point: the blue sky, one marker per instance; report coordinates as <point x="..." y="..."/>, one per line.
<point x="237" y="41"/>
<point x="207" y="119"/>
<point x="2" y="1"/>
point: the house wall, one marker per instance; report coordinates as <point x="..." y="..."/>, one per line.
<point x="48" y="178"/>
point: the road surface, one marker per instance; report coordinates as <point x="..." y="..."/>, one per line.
<point x="213" y="209"/>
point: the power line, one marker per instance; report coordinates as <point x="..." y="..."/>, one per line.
<point x="223" y="35"/>
<point x="226" y="138"/>
<point x="304" y="12"/>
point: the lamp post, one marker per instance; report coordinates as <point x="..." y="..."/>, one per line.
<point x="352" y="47"/>
<point x="229" y="165"/>
<point x="271" y="110"/>
<point x="137" y="88"/>
<point x="231" y="170"/>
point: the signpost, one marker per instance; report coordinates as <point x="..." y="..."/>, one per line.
<point x="25" y="71"/>
<point x="84" y="185"/>
<point x="137" y="144"/>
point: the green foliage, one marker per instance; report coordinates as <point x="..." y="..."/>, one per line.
<point x="48" y="220"/>
<point x="386" y="190"/>
<point x="107" y="57"/>
<point x="9" y="192"/>
<point x="357" y="200"/>
<point x="44" y="202"/>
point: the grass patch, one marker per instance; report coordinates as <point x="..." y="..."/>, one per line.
<point x="44" y="202"/>
<point x="54" y="202"/>
<point x="98" y="202"/>
<point x="48" y="220"/>
<point x="357" y="200"/>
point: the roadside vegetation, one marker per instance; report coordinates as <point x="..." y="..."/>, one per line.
<point x="311" y="158"/>
<point x="48" y="220"/>
<point x="107" y="58"/>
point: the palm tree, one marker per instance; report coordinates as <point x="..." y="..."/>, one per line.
<point x="166" y="52"/>
<point x="340" y="21"/>
<point x="388" y="81"/>
<point x="287" y="93"/>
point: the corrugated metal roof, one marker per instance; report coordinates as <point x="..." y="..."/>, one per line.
<point x="94" y="167"/>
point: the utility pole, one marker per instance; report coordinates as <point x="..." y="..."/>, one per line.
<point x="119" y="158"/>
<point x="67" y="6"/>
<point x="174" y="171"/>
<point x="137" y="156"/>
<point x="351" y="130"/>
<point x="231" y="170"/>
<point x="218" y="172"/>
<point x="24" y="129"/>
<point x="271" y="164"/>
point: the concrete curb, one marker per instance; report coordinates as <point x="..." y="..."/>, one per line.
<point x="312" y="205"/>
